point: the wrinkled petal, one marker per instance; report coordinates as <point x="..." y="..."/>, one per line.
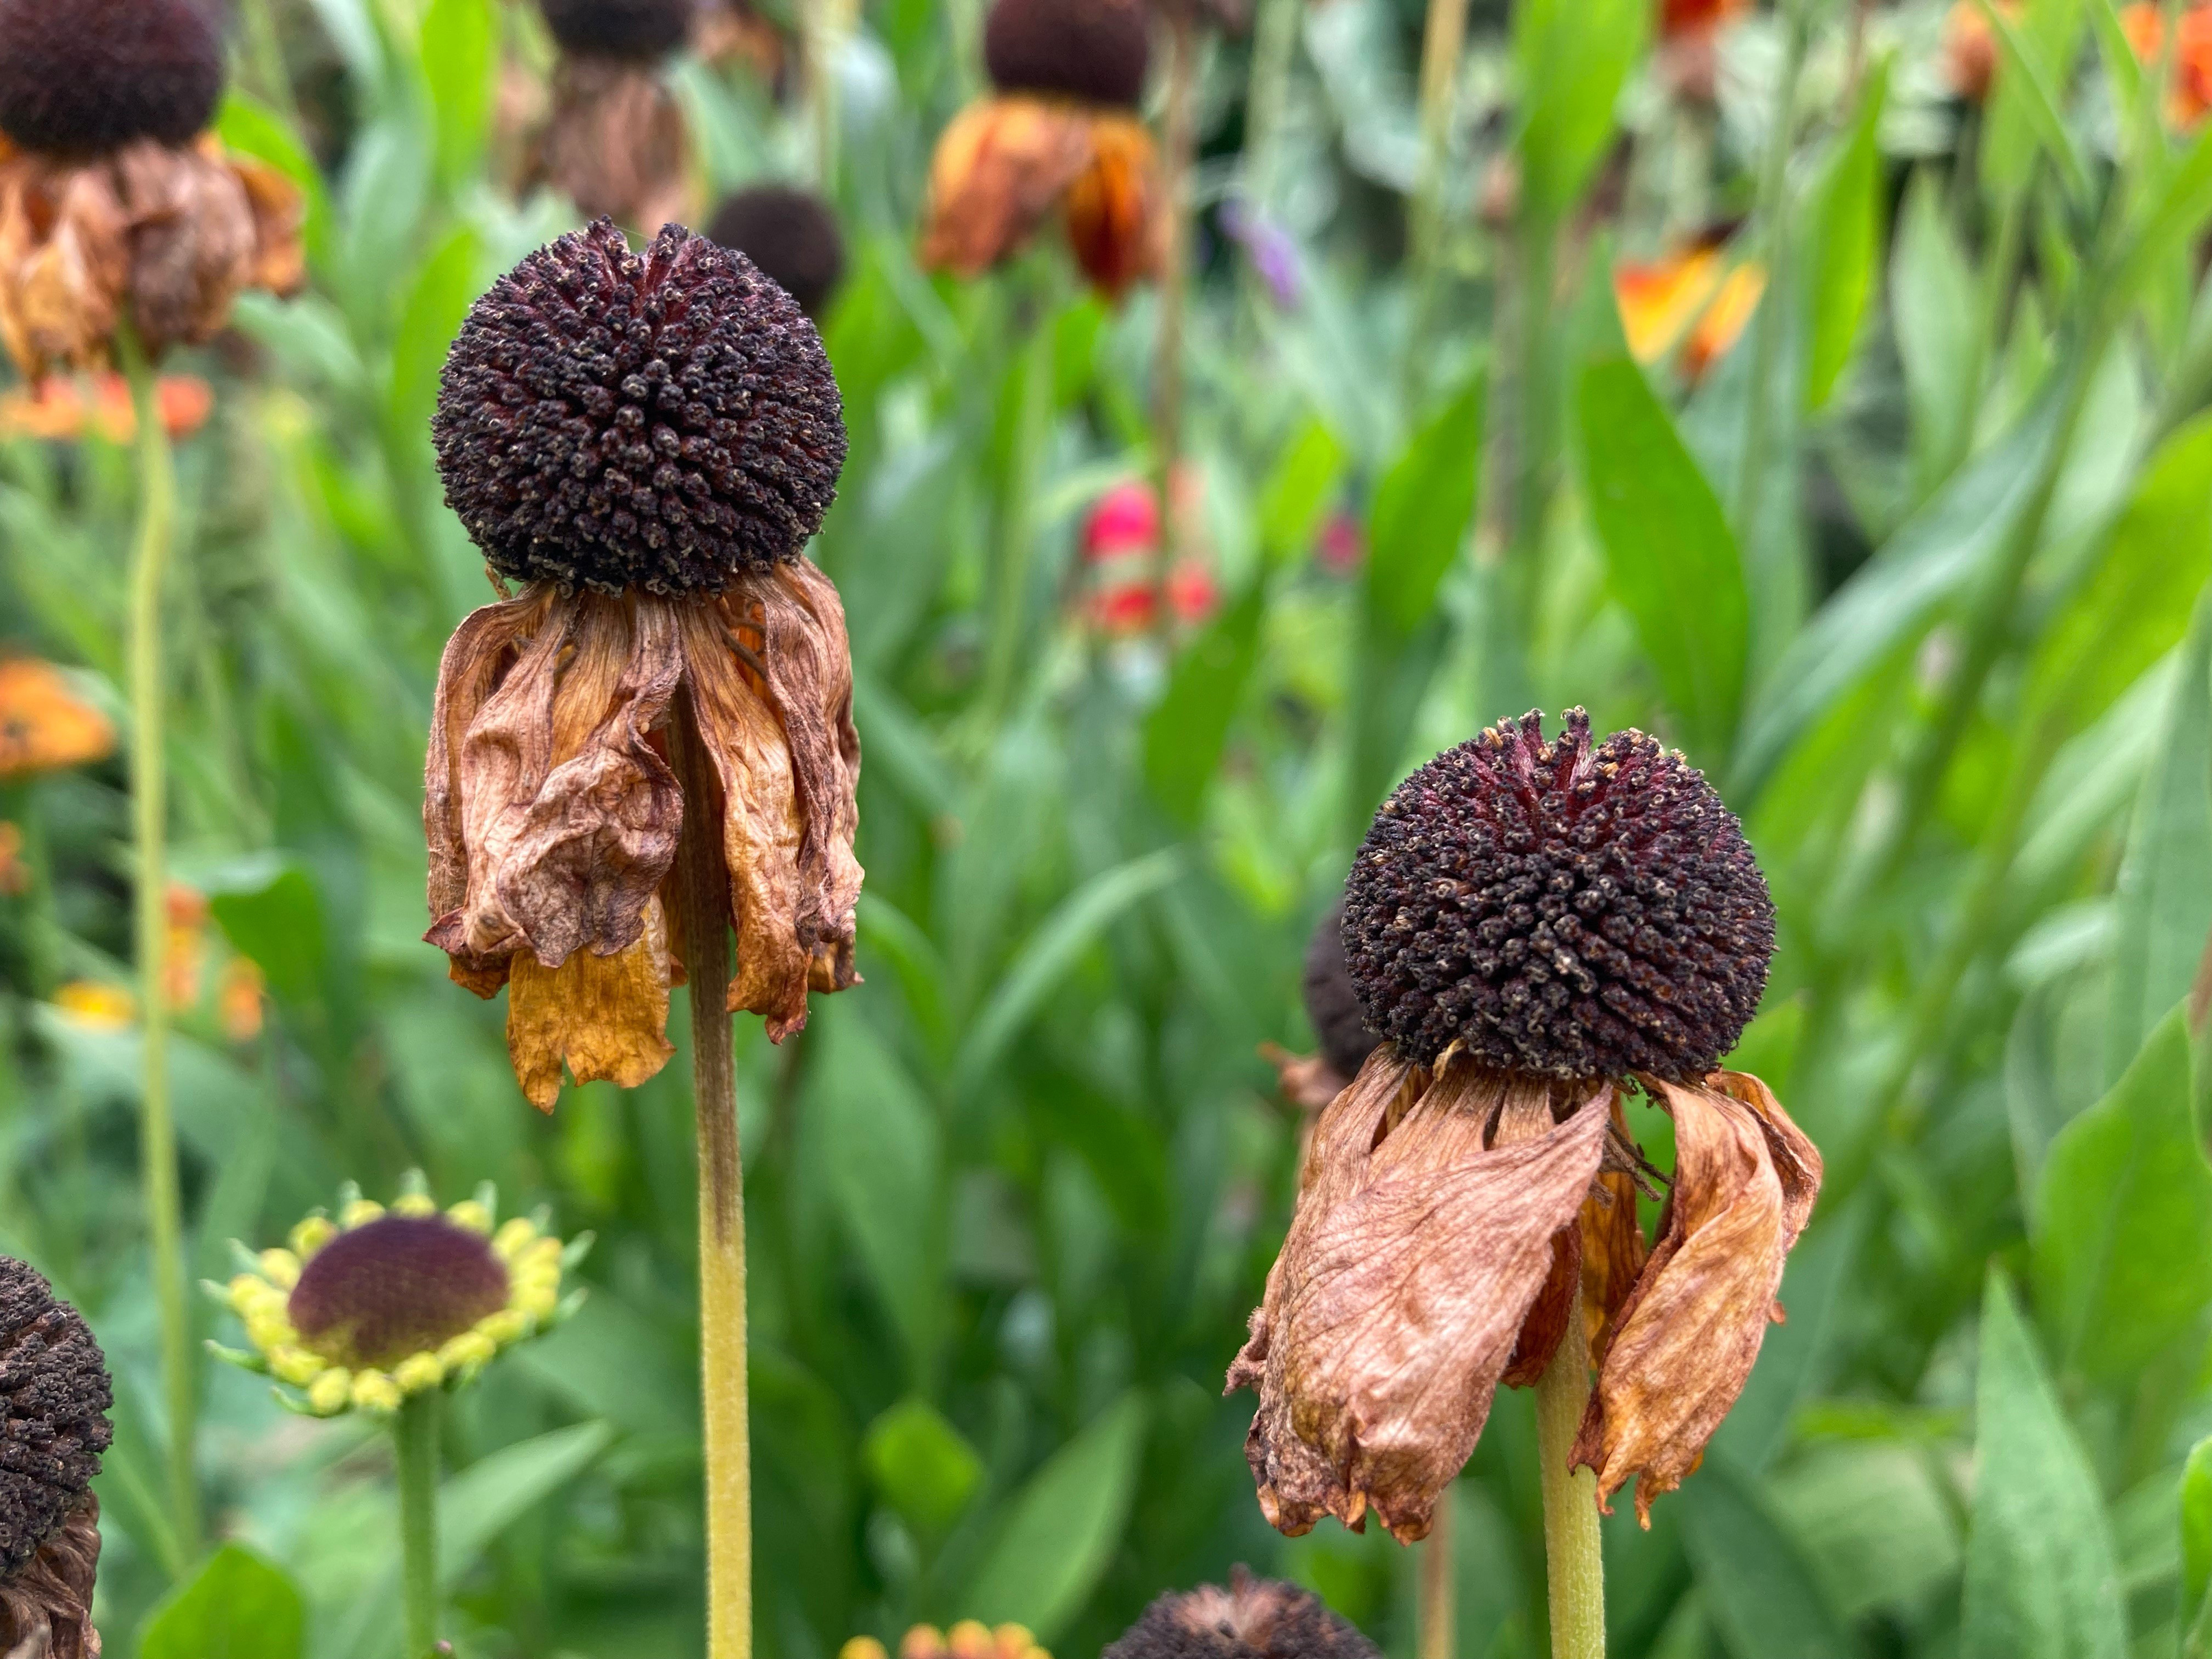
<point x="616" y="143"/>
<point x="605" y="1015"/>
<point x="1413" y="1261"/>
<point x="1114" y="217"/>
<point x="1612" y="1248"/>
<point x="810" y="682"/>
<point x="1682" y="1347"/>
<point x="64" y="264"/>
<point x="192" y="241"/>
<point x="999" y="170"/>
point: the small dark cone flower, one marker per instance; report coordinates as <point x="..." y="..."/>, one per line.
<point x="1253" y="1618"/>
<point x="792" y="234"/>
<point x="645" y="442"/>
<point x="1533" y="927"/>
<point x="1309" y="1082"/>
<point x="614" y="141"/>
<point x="1061" y="132"/>
<point x="115" y="200"/>
<point x="54" y="1399"/>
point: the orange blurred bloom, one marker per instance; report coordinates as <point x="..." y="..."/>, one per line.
<point x="1678" y="18"/>
<point x="185" y="953"/>
<point x="44" y="724"/>
<point x="14" y="874"/>
<point x="2190" y="95"/>
<point x="241" y="994"/>
<point x="1658" y="298"/>
<point x="969" y="1639"/>
<point x="96" y="1005"/>
<point x="65" y="408"/>
<point x="1725" y="319"/>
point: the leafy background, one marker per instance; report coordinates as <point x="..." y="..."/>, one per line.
<point x="1917" y="572"/>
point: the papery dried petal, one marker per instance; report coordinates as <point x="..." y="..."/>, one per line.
<point x="1113" y="207"/>
<point x="605" y="1015"/>
<point x="999" y="170"/>
<point x="280" y="259"/>
<point x="192" y="239"/>
<point x="1413" y="1261"/>
<point x="809" y="660"/>
<point x="616" y="145"/>
<point x="1613" y="1251"/>
<point x="1745" y="1183"/>
<point x="64" y="262"/>
<point x="46" y="1604"/>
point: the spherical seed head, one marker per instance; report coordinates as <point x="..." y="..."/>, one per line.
<point x="1565" y="909"/>
<point x="1332" y="1002"/>
<point x="666" y="420"/>
<point x="1094" y="50"/>
<point x="395" y="1287"/>
<point x="54" y="1398"/>
<point x="642" y="31"/>
<point x="1253" y="1618"/>
<point x="790" y="234"/>
<point x="81" y="76"/>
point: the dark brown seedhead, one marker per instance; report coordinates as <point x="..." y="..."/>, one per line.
<point x="85" y="77"/>
<point x="54" y="1399"/>
<point x="791" y="234"/>
<point x="395" y="1286"/>
<point x="637" y="31"/>
<point x="1094" y="50"/>
<point x="1332" y="1000"/>
<point x="665" y="420"/>
<point x="1563" y="908"/>
<point x="1253" y="1618"/>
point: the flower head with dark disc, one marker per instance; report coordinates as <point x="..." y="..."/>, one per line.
<point x="54" y="1399"/>
<point x="1252" y="1618"/>
<point x="792" y="234"/>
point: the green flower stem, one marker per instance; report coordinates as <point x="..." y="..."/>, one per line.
<point x="1435" y="1624"/>
<point x="157" y="1134"/>
<point x="1774" y="223"/>
<point x="1574" y="1562"/>
<point x="1014" y="538"/>
<point x="415" y="1446"/>
<point x="1178" y="161"/>
<point x="702" y="905"/>
<point x="1443" y="41"/>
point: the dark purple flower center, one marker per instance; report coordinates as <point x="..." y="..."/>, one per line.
<point x="401" y="1284"/>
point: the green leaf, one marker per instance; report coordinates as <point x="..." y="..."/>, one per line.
<point x="1931" y="288"/>
<point x="1846" y="248"/>
<point x="1757" y="1588"/>
<point x="1668" y="550"/>
<point x="2024" y="113"/>
<point x="2040" y="1579"/>
<point x="1186" y="731"/>
<point x="1574" y="56"/>
<point x="280" y="928"/>
<point x="2196" y="1549"/>
<point x="236" y="1606"/>
<point x="444" y="289"/>
<point x="923" y="1466"/>
<point x="2122" y="1241"/>
<point x="253" y="129"/>
<point x="1303" y="478"/>
<point x="489" y="1496"/>
<point x="1062" y="1528"/>
<point x="1423" y="509"/>
<point x="460" y="38"/>
<point x="2164" y="886"/>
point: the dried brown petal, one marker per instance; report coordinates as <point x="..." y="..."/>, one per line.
<point x="1114" y="219"/>
<point x="605" y="1015"/>
<point x="1613" y="1251"/>
<point x="46" y="1604"/>
<point x="64" y="262"/>
<point x="280" y="259"/>
<point x="192" y="239"/>
<point x="615" y="144"/>
<point x="999" y="168"/>
<point x="1309" y="1082"/>
<point x="1413" y="1261"/>
<point x="1745" y="1182"/>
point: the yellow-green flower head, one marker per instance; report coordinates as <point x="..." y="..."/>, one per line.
<point x="379" y="1304"/>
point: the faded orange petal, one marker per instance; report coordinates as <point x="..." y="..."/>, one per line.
<point x="1113" y="206"/>
<point x="1658" y="297"/>
<point x="1413" y="1260"/>
<point x="64" y="262"/>
<point x="44" y="723"/>
<point x="605" y="1015"/>
<point x="615" y="143"/>
<point x="1725" y="319"/>
<point x="280" y="259"/>
<point x="998" y="171"/>
<point x="1745" y="1182"/>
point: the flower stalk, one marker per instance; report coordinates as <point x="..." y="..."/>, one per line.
<point x="1574" y="1562"/>
<point x="1436" y="1615"/>
<point x="703" y="912"/>
<point x="1177" y="162"/>
<point x="151" y="549"/>
<point x="415" y="1447"/>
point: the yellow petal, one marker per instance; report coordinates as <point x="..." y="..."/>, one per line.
<point x="606" y="1016"/>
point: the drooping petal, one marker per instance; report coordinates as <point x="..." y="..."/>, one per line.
<point x="616" y="143"/>
<point x="1614" y="1251"/>
<point x="605" y="1015"/>
<point x="1114" y="217"/>
<point x="1745" y="1182"/>
<point x="192" y="239"/>
<point x="64" y="264"/>
<point x="1413" y="1261"/>
<point x="810" y="682"/>
<point x="999" y="170"/>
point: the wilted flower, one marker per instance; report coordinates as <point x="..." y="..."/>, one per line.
<point x="614" y="141"/>
<point x="1253" y="1618"/>
<point x="44" y="723"/>
<point x="969" y="1639"/>
<point x="112" y="197"/>
<point x="1530" y="925"/>
<point x="2190" y="96"/>
<point x="54" y="1399"/>
<point x="792" y="234"/>
<point x="1722" y="324"/>
<point x="362" y="1311"/>
<point x="1061" y="132"/>
<point x="63" y="410"/>
<point x="646" y="441"/>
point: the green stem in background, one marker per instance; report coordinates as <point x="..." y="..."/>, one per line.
<point x="1574" y="1559"/>
<point x="264" y="55"/>
<point x="1014" y="528"/>
<point x="415" y="1447"/>
<point x="1435" y="1624"/>
<point x="1773" y="225"/>
<point x="1274" y="47"/>
<point x="1988" y="323"/>
<point x="823" y="26"/>
<point x="702" y="903"/>
<point x="1442" y="41"/>
<point x="1177" y="162"/>
<point x="150" y="553"/>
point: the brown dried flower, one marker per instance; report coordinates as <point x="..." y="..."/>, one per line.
<point x="646" y="441"/>
<point x="1251" y="1619"/>
<point x="614" y="140"/>
<point x="1537" y="925"/>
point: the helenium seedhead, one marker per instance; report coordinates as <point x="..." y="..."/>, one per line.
<point x="54" y="1399"/>
<point x="1576" y="911"/>
<point x="791" y="234"/>
<point x="1333" y="1002"/>
<point x="1252" y="1618"/>
<point x="665" y="420"/>
<point x="1094" y="50"/>
<point x="83" y="76"/>
<point x="642" y="31"/>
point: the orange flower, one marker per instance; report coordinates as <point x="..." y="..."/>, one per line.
<point x="1678" y="18"/>
<point x="95" y="1006"/>
<point x="2190" y="96"/>
<point x="44" y="725"/>
<point x="969" y="1639"/>
<point x="66" y="408"/>
<point x="1658" y="298"/>
<point x="241" y="998"/>
<point x="185" y="953"/>
<point x="1970" y="47"/>
<point x="14" y="874"/>
<point x="1725" y="319"/>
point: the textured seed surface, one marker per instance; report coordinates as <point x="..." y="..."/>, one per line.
<point x="398" y="1286"/>
<point x="642" y="30"/>
<point x="1577" y="910"/>
<point x="664" y="421"/>
<point x="1332" y="1001"/>
<point x="1253" y="1618"/>
<point x="1095" y="49"/>
<point x="81" y="76"/>
<point x="54" y="1398"/>
<point x="791" y="234"/>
